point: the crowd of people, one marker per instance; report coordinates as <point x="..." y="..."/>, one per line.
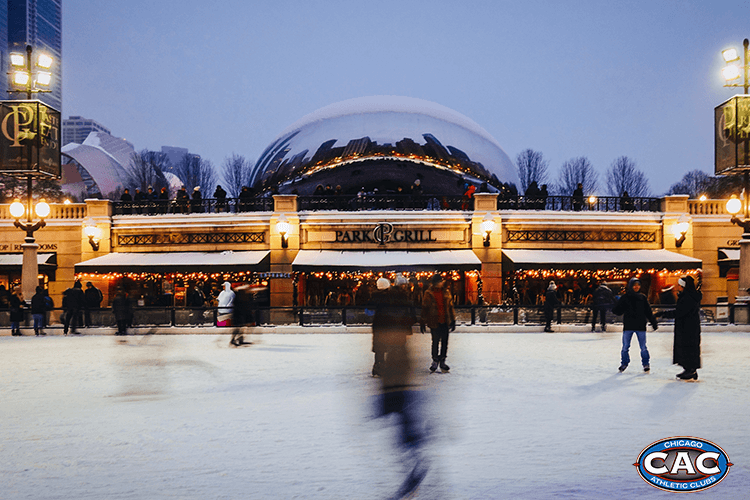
<point x="153" y="203"/>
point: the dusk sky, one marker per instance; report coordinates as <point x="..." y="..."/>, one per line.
<point x="587" y="78"/>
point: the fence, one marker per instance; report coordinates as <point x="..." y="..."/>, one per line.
<point x="317" y="316"/>
<point x="570" y="203"/>
<point x="205" y="206"/>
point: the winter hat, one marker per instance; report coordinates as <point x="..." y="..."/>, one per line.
<point x="436" y="279"/>
<point x="552" y="286"/>
<point x="681" y="282"/>
<point x="400" y="280"/>
<point x="383" y="284"/>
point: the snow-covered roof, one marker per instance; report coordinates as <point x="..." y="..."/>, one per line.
<point x="392" y="260"/>
<point x="587" y="258"/>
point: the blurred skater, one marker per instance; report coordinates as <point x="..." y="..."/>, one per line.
<point x="603" y="299"/>
<point x="226" y="306"/>
<point x="438" y="314"/>
<point x="550" y="302"/>
<point x="242" y="314"/>
<point x="392" y="323"/>
<point x="687" y="329"/>
<point x="121" y="310"/>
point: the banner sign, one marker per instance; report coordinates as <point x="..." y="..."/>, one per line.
<point x="30" y="139"/>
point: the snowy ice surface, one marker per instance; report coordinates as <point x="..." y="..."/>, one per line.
<point x="520" y="415"/>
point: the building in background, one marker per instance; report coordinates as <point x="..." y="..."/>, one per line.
<point x="77" y="129"/>
<point x="38" y="23"/>
<point x="4" y="60"/>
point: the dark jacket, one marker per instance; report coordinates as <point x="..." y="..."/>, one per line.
<point x="16" y="305"/>
<point x="603" y="296"/>
<point x="393" y="319"/>
<point x="93" y="298"/>
<point x="687" y="327"/>
<point x="73" y="299"/>
<point x="121" y="307"/>
<point x="39" y="303"/>
<point x="635" y="310"/>
<point x="430" y="309"/>
<point x="550" y="301"/>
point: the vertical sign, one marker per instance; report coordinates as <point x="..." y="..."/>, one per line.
<point x="29" y="139"/>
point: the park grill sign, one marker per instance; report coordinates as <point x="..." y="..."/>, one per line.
<point x="384" y="233"/>
<point x="30" y="139"/>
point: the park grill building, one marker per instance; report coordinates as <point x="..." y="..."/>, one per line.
<point x="398" y="171"/>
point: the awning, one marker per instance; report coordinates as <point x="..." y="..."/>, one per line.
<point x="728" y="259"/>
<point x="166" y="262"/>
<point x="321" y="260"/>
<point x="598" y="259"/>
<point x="14" y="261"/>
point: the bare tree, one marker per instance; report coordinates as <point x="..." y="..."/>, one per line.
<point x="236" y="173"/>
<point x="12" y="187"/>
<point x="575" y="171"/>
<point x="623" y="175"/>
<point x="147" y="169"/>
<point x="531" y="167"/>
<point x="193" y="171"/>
<point x="697" y="182"/>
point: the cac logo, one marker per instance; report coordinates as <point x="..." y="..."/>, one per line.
<point x="683" y="464"/>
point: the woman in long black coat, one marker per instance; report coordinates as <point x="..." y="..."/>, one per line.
<point x="687" y="329"/>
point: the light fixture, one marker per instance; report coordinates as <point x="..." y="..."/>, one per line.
<point x="703" y="197"/>
<point x="680" y="229"/>
<point x="43" y="78"/>
<point x="17" y="59"/>
<point x="93" y="232"/>
<point x="44" y="61"/>
<point x="21" y="78"/>
<point x="730" y="55"/>
<point x="731" y="72"/>
<point x="42" y="209"/>
<point x="487" y="226"/>
<point x="592" y="199"/>
<point x="17" y="209"/>
<point x="734" y="205"/>
<point x="283" y="227"/>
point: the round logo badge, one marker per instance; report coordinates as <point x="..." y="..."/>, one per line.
<point x="683" y="464"/>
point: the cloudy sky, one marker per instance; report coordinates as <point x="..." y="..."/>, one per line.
<point x="598" y="78"/>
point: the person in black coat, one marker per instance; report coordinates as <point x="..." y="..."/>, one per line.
<point x="635" y="311"/>
<point x="121" y="310"/>
<point x="38" y="310"/>
<point x="73" y="302"/>
<point x="550" y="302"/>
<point x="687" y="329"/>
<point x="578" y="198"/>
<point x="92" y="300"/>
<point x="15" y="302"/>
<point x="221" y="198"/>
<point x="603" y="299"/>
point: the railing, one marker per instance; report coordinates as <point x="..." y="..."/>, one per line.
<point x="708" y="207"/>
<point x="208" y="205"/>
<point x="348" y="203"/>
<point x="570" y="203"/>
<point x="319" y="316"/>
<point x="57" y="211"/>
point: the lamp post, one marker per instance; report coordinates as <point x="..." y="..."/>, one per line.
<point x="734" y="205"/>
<point x="27" y="75"/>
<point x="733" y="71"/>
<point x="30" y="269"/>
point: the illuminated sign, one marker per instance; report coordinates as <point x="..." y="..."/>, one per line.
<point x="30" y="139"/>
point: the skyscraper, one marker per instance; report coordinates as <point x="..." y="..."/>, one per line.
<point x="77" y="129"/>
<point x="37" y="23"/>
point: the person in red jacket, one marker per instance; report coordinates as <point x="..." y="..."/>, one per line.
<point x="438" y="314"/>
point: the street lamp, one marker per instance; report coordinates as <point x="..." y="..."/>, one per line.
<point x="30" y="269"/>
<point x="734" y="206"/>
<point x="733" y="70"/>
<point x="28" y="74"/>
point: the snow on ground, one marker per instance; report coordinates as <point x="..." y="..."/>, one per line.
<point x="521" y="415"/>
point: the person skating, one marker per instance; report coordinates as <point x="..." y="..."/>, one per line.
<point x="603" y="299"/>
<point x="635" y="311"/>
<point x="687" y="329"/>
<point x="438" y="314"/>
<point x="38" y="310"/>
<point x="550" y="302"/>
<point x="15" y="302"/>
<point x="378" y="303"/>
<point x="73" y="302"/>
<point x="93" y="301"/>
<point x="121" y="310"/>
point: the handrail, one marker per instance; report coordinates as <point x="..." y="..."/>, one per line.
<point x="578" y="204"/>
<point x="57" y="211"/>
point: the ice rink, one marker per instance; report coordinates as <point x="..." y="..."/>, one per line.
<point x="520" y="415"/>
